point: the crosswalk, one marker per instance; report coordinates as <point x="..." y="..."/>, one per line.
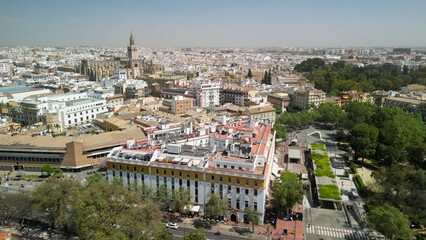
<point x="342" y="233"/>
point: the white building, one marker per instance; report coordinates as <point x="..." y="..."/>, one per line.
<point x="234" y="162"/>
<point x="207" y="93"/>
<point x="71" y="109"/>
<point x="4" y="67"/>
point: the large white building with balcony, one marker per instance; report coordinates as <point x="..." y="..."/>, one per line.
<point x="234" y="161"/>
<point x="69" y="109"/>
<point x="207" y="93"/>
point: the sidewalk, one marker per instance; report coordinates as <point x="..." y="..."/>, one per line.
<point x="261" y="232"/>
<point x="230" y="228"/>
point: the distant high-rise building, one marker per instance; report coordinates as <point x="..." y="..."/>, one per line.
<point x="207" y="93"/>
<point x="401" y="50"/>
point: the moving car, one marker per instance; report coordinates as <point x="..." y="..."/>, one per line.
<point x="172" y="225"/>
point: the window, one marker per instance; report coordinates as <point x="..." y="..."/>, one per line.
<point x="238" y="181"/>
<point x="134" y="168"/>
<point x="196" y="175"/>
<point x="113" y="166"/>
<point x="164" y="172"/>
<point x="246" y="191"/>
<point x="173" y="173"/>
<point x="220" y="178"/>
<point x="119" y="166"/>
<point x="225" y="166"/>
<point x="232" y="167"/>
<point x="229" y="180"/>
<point x="187" y="175"/>
<point x="142" y="169"/>
<point x="255" y="183"/>
<point x="255" y="192"/>
<point x="156" y="171"/>
<point x="247" y="182"/>
<point x="238" y="190"/>
<point x="212" y="178"/>
<point x="180" y="174"/>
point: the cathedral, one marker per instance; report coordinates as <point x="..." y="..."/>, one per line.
<point x="135" y="67"/>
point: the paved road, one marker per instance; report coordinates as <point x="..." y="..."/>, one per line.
<point x="180" y="232"/>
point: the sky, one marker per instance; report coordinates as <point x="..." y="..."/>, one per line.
<point x="214" y="23"/>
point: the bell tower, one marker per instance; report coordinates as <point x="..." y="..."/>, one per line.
<point x="131" y="49"/>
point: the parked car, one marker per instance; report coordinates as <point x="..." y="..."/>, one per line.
<point x="172" y="225"/>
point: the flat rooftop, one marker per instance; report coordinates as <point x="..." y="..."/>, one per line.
<point x="89" y="141"/>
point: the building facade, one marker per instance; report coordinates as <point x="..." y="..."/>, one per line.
<point x="264" y="114"/>
<point x="207" y="93"/>
<point x="180" y="105"/>
<point x="234" y="162"/>
<point x="308" y="98"/>
<point x="280" y="101"/>
<point x="133" y="66"/>
<point x="71" y="109"/>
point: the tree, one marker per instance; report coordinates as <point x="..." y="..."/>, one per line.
<point x="329" y="113"/>
<point x="163" y="196"/>
<point x="146" y="192"/>
<point x="389" y="221"/>
<point x="398" y="130"/>
<point x="358" y="112"/>
<point x="405" y="190"/>
<point x="363" y="140"/>
<point x="216" y="206"/>
<point x="107" y="211"/>
<point x="92" y="179"/>
<point x="288" y="191"/>
<point x="249" y="75"/>
<point x="54" y="201"/>
<point x="197" y="234"/>
<point x="281" y="131"/>
<point x="252" y="215"/>
<point x="269" y="79"/>
<point x="181" y="200"/>
<point x="15" y="206"/>
<point x="47" y="169"/>
<point x="265" y="78"/>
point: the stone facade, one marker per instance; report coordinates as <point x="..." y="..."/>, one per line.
<point x="134" y="67"/>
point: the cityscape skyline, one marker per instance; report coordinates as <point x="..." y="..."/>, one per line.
<point x="248" y="24"/>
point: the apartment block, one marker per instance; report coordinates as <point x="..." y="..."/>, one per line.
<point x="307" y="98"/>
<point x="234" y="161"/>
<point x="180" y="105"/>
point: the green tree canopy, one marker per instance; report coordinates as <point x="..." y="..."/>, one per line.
<point x="54" y="201"/>
<point x="390" y="222"/>
<point x="107" y="211"/>
<point x="47" y="169"/>
<point x="288" y="191"/>
<point x="329" y="113"/>
<point x="197" y="234"/>
<point x="252" y="215"/>
<point x="363" y="140"/>
<point x="216" y="206"/>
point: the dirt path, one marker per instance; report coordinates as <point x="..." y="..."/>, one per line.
<point x="365" y="174"/>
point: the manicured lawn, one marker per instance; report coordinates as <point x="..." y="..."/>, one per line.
<point x="318" y="146"/>
<point x="323" y="165"/>
<point x="329" y="191"/>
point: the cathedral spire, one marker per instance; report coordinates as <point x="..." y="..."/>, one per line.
<point x="132" y="40"/>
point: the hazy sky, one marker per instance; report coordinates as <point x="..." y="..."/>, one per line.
<point x="214" y="23"/>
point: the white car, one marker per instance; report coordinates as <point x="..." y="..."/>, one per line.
<point x="172" y="225"/>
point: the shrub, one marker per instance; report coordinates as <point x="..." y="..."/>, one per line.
<point x="329" y="191"/>
<point x="362" y="190"/>
<point x="322" y="163"/>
